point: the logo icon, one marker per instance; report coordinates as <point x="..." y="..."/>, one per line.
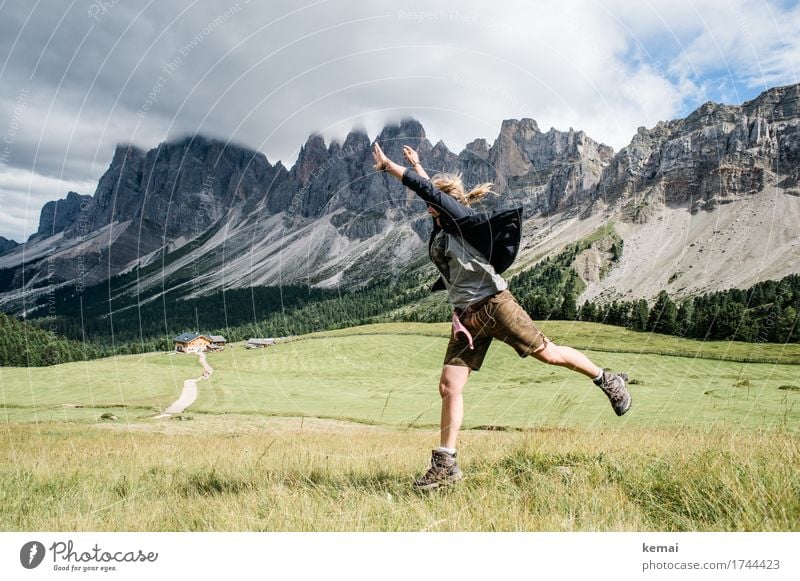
<point x="31" y="554"/>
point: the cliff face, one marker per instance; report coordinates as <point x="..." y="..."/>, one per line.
<point x="337" y="182"/>
<point x="717" y="154"/>
<point x="117" y="195"/>
<point x="550" y="171"/>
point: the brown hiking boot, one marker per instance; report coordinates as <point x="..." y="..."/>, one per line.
<point x="444" y="470"/>
<point x="614" y="385"/>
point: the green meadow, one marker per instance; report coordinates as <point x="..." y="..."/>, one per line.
<point x="326" y="431"/>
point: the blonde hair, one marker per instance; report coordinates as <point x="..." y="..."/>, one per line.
<point x="452" y="185"/>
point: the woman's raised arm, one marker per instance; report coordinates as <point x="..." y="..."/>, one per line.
<point x="383" y="163"/>
<point x="447" y="205"/>
<point x="413" y="158"/>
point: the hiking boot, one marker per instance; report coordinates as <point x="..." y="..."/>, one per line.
<point x="614" y="385"/>
<point x="444" y="470"/>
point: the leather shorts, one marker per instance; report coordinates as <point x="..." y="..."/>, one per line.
<point x="498" y="316"/>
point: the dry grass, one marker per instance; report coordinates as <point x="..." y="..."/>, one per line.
<point x="244" y="473"/>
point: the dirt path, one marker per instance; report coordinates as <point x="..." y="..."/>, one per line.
<point x="189" y="393"/>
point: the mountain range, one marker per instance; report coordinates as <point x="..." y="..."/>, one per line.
<point x="703" y="203"/>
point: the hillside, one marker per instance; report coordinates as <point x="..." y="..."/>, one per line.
<point x="26" y="345"/>
<point x="676" y="382"/>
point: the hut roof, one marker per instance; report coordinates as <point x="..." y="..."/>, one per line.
<point x="186" y="337"/>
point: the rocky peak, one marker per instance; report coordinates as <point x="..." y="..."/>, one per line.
<point x="777" y="104"/>
<point x="408" y="131"/>
<point x="324" y="180"/>
<point x="519" y="129"/>
<point x="189" y="185"/>
<point x="478" y="147"/>
<point x="180" y="187"/>
<point x="441" y="159"/>
<point x="126" y="153"/>
<point x="58" y="215"/>
<point x="474" y="162"/>
<point x="357" y="144"/>
<point x="508" y="153"/>
<point x="334" y="148"/>
<point x="312" y="155"/>
<point x="411" y="128"/>
<point x="7" y="245"/>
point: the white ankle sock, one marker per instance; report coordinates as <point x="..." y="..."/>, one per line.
<point x="599" y="377"/>
<point x="450" y="451"/>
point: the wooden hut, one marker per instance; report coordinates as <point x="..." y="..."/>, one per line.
<point x="191" y="343"/>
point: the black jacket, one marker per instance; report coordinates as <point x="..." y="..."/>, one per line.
<point x="496" y="235"/>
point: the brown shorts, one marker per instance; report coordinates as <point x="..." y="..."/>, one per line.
<point x="497" y="317"/>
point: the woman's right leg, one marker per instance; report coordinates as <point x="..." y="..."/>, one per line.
<point x="451" y="388"/>
<point x="444" y="468"/>
<point x="459" y="360"/>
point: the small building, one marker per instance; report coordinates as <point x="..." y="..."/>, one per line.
<point x="191" y="343"/>
<point x="217" y="342"/>
<point x="259" y="343"/>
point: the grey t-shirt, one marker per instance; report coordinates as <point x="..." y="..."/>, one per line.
<point x="467" y="274"/>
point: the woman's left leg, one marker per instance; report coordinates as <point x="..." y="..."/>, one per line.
<point x="568" y="357"/>
<point x="509" y="322"/>
<point x="614" y="385"/>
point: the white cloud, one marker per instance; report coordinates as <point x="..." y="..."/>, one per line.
<point x="740" y="45"/>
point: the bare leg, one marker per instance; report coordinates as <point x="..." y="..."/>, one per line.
<point x="567" y="357"/>
<point x="451" y="388"/>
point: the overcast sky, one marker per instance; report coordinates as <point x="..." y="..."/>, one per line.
<point x="78" y="77"/>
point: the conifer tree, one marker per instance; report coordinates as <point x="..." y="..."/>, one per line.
<point x="663" y="316"/>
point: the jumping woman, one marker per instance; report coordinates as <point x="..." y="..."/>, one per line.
<point x="470" y="250"/>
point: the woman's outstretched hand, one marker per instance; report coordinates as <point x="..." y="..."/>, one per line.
<point x="412" y="157"/>
<point x="381" y="161"/>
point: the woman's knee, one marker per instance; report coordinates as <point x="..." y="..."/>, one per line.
<point x="453" y="381"/>
<point x="550" y="354"/>
<point x="450" y="388"/>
